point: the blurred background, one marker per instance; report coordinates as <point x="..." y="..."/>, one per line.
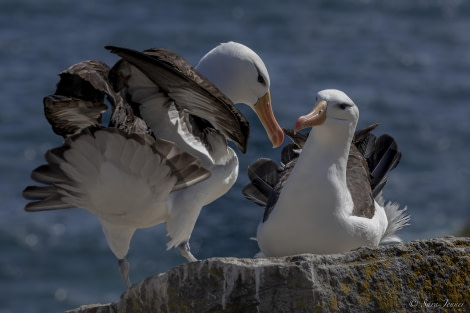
<point x="406" y="64"/>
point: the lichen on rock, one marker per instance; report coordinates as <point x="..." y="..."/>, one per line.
<point x="407" y="277"/>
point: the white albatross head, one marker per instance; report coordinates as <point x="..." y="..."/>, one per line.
<point x="332" y="107"/>
<point x="241" y="75"/>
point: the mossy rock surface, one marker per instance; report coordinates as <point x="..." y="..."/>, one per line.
<point x="419" y="276"/>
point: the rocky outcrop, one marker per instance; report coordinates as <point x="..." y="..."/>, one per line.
<point x="419" y="276"/>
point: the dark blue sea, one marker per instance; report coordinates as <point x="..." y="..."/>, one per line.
<point x="406" y="64"/>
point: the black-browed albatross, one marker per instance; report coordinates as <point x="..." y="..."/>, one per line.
<point x="165" y="154"/>
<point x="326" y="198"/>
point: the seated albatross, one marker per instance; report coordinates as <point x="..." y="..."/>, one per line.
<point x="165" y="154"/>
<point x="327" y="199"/>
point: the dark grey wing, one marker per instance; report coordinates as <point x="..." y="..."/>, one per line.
<point x="78" y="102"/>
<point x="364" y="140"/>
<point x="79" y="98"/>
<point x="382" y="161"/>
<point x="381" y="153"/>
<point x="370" y="161"/>
<point x="358" y="182"/>
<point x="264" y="175"/>
<point x="189" y="90"/>
<point x="164" y="117"/>
<point x="267" y="179"/>
<point x="87" y="80"/>
<point x="284" y="175"/>
<point x="69" y="115"/>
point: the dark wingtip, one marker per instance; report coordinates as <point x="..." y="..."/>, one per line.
<point x="111" y="48"/>
<point x="242" y="146"/>
<point x="27" y="193"/>
<point x="386" y="158"/>
<point x="29" y="207"/>
<point x="116" y="50"/>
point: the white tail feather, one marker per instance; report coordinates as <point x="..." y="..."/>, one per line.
<point x="397" y="219"/>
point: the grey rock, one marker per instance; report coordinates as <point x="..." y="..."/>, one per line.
<point x="419" y="276"/>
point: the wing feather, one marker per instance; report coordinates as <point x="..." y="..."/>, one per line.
<point x="191" y="91"/>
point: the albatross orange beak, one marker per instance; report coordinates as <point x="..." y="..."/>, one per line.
<point x="314" y="118"/>
<point x="265" y="114"/>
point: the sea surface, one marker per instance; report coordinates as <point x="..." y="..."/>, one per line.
<point x="406" y="64"/>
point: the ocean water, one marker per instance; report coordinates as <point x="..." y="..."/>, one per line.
<point x="406" y="64"/>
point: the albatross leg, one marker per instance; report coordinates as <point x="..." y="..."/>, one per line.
<point x="124" y="271"/>
<point x="186" y="251"/>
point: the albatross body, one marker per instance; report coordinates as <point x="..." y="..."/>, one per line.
<point x="165" y="154"/>
<point x="323" y="201"/>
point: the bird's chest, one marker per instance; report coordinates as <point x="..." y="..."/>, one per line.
<point x="317" y="203"/>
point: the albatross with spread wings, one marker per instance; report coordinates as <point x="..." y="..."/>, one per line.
<point x="326" y="198"/>
<point x="164" y="154"/>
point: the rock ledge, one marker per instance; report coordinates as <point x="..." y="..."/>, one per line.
<point x="419" y="276"/>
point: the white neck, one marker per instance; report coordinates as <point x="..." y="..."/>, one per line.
<point x="318" y="180"/>
<point x="328" y="143"/>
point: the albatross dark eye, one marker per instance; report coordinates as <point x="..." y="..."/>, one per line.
<point x="344" y="106"/>
<point x="261" y="79"/>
